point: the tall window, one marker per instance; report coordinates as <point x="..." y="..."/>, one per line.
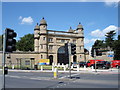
<point x="41" y="56"/>
<point x="41" y="46"/>
<point x="43" y="38"/>
<point x="50" y="39"/>
<point x="80" y="56"/>
<point x="50" y="47"/>
<point x="62" y="40"/>
<point x="74" y="41"/>
<point x="80" y="47"/>
<point x="82" y="40"/>
<point x="27" y="62"/>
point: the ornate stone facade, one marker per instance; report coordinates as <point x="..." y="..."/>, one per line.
<point x="49" y="43"/>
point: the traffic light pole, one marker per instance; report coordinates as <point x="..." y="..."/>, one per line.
<point x="95" y="59"/>
<point x="69" y="51"/>
<point x="3" y="59"/>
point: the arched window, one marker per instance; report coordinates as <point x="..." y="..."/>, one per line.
<point x="80" y="56"/>
<point x="41" y="56"/>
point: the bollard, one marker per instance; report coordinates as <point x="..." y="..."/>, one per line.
<point x="62" y="65"/>
<point x="67" y="65"/>
<point x="58" y="65"/>
<point x="41" y="68"/>
<point x="84" y="67"/>
<point x="92" y="68"/>
<point x="12" y="66"/>
<point x="52" y="68"/>
<point x="64" y="68"/>
<point x="55" y="72"/>
<point x="72" y="66"/>
<point x="78" y="68"/>
<point x="52" y="64"/>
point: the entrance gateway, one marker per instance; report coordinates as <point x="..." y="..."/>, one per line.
<point x="62" y="58"/>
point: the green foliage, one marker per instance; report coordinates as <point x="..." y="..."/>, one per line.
<point x="97" y="45"/>
<point x="26" y="43"/>
<point x="110" y="39"/>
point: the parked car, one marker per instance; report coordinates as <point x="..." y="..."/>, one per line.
<point x="103" y="64"/>
<point x="115" y="63"/>
<point x="82" y="64"/>
<point x="91" y="63"/>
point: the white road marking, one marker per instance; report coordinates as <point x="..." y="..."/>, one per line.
<point x="25" y="77"/>
<point x="68" y="76"/>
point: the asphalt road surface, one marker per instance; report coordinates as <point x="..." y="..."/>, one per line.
<point x="46" y="80"/>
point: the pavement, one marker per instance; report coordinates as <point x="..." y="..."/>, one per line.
<point x="93" y="71"/>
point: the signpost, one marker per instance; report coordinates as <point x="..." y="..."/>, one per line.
<point x="69" y="51"/>
<point x="111" y="55"/>
<point x="44" y="62"/>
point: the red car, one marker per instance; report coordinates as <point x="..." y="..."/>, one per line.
<point x="115" y="63"/>
<point x="92" y="62"/>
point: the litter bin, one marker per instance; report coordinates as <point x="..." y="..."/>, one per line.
<point x="5" y="70"/>
<point x="36" y="67"/>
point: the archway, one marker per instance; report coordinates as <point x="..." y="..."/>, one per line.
<point x="51" y="59"/>
<point x="74" y="58"/>
<point x="61" y="57"/>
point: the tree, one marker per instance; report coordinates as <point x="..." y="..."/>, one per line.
<point x="109" y="40"/>
<point x="26" y="43"/>
<point x="97" y="45"/>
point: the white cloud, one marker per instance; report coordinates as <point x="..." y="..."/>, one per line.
<point x="87" y="41"/>
<point x="110" y="28"/>
<point x="97" y="33"/>
<point x="101" y="33"/>
<point x="111" y="3"/>
<point x="26" y="20"/>
<point x="20" y="17"/>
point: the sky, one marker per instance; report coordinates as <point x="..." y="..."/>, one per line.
<point x="97" y="18"/>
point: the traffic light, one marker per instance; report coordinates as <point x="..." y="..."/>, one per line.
<point x="92" y="53"/>
<point x="73" y="49"/>
<point x="66" y="54"/>
<point x="66" y="49"/>
<point x="10" y="41"/>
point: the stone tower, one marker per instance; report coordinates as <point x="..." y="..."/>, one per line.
<point x="43" y="49"/>
<point x="80" y="42"/>
<point x="36" y="38"/>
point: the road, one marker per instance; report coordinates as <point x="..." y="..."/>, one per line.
<point x="46" y="80"/>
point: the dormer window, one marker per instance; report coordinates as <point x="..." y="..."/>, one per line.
<point x="50" y="39"/>
<point x="63" y="40"/>
<point x="43" y="38"/>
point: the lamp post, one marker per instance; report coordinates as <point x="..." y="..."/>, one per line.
<point x="95" y="58"/>
<point x="69" y="51"/>
<point x="111" y="55"/>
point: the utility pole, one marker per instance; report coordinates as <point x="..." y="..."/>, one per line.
<point x="3" y="59"/>
<point x="69" y="52"/>
<point x="95" y="59"/>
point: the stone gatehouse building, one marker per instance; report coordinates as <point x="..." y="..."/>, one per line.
<point x="49" y="44"/>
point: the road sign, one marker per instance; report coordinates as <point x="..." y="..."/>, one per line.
<point x="110" y="55"/>
<point x="44" y="62"/>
